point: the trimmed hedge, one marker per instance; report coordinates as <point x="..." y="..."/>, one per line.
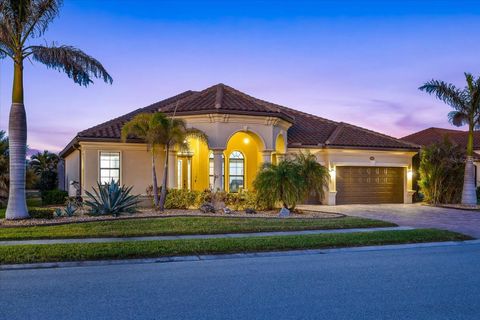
<point x="41" y="213"/>
<point x="54" y="197"/>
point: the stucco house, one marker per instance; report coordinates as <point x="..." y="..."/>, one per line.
<point x="243" y="132"/>
<point x="432" y="135"/>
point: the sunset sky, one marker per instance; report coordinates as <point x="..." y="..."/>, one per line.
<point x="354" y="61"/>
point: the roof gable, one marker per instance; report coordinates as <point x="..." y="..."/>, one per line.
<point x="431" y="135"/>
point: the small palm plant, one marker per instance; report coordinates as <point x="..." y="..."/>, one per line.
<point x="280" y="183"/>
<point x="111" y="198"/>
<point x="466" y="111"/>
<point x="316" y="176"/>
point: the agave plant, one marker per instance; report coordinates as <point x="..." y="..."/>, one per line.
<point x="111" y="198"/>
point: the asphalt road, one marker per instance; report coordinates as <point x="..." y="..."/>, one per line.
<point x="421" y="283"/>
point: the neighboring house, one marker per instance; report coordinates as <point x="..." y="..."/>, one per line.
<point x="243" y="132"/>
<point x="458" y="137"/>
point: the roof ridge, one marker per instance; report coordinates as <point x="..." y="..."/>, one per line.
<point x="335" y="132"/>
<point x="139" y="110"/>
<point x="269" y="105"/>
<point x="380" y="134"/>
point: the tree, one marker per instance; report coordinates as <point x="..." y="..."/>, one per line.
<point x="44" y="165"/>
<point x="291" y="181"/>
<point x="441" y="170"/>
<point x="3" y="168"/>
<point x="466" y="111"/>
<point x="148" y="127"/>
<point x="21" y="21"/>
<point x="158" y="129"/>
<point x="316" y="176"/>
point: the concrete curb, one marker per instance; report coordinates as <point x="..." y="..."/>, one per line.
<point x="196" y="236"/>
<point x="72" y="264"/>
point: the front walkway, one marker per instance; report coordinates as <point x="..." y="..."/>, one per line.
<point x="198" y="236"/>
<point x="412" y="215"/>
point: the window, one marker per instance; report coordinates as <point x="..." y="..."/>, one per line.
<point x="236" y="171"/>
<point x="109" y="167"/>
<point x="211" y="171"/>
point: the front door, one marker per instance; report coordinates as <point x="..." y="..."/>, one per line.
<point x="184" y="172"/>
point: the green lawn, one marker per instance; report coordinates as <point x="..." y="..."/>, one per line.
<point x="182" y="225"/>
<point x="143" y="249"/>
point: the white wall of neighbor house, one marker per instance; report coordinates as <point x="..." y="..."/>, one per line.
<point x="72" y="171"/>
<point x="331" y="158"/>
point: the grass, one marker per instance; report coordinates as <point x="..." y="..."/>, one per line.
<point x="182" y="225"/>
<point x="145" y="249"/>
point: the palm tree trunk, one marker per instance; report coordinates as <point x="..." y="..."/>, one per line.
<point x="163" y="194"/>
<point x="17" y="132"/>
<point x="155" y="185"/>
<point x="469" y="194"/>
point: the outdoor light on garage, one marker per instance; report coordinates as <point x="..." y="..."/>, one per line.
<point x="409" y="174"/>
<point x="332" y="173"/>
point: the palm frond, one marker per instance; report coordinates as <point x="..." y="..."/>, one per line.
<point x="78" y="65"/>
<point x="457" y="118"/>
<point x="40" y="14"/>
<point x="447" y="93"/>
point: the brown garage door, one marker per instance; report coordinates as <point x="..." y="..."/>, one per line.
<point x="369" y="185"/>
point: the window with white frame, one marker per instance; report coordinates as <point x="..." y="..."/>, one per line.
<point x="109" y="167"/>
<point x="236" y="171"/>
<point x="211" y="171"/>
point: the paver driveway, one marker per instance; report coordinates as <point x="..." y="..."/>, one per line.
<point x="412" y="215"/>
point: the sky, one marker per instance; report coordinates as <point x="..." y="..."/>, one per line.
<point x="359" y="62"/>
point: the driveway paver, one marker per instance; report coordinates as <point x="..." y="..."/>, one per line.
<point x="412" y="215"/>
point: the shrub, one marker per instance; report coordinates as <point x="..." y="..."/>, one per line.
<point x="441" y="172"/>
<point x="41" y="213"/>
<point x="54" y="197"/>
<point x="111" y="198"/>
<point x="47" y="180"/>
<point x="181" y="199"/>
<point x="207" y="208"/>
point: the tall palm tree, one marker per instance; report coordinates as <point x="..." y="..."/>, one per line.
<point x="147" y="126"/>
<point x="466" y="111"/>
<point x="20" y="22"/>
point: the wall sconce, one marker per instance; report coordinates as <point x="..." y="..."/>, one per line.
<point x="332" y="173"/>
<point x="409" y="174"/>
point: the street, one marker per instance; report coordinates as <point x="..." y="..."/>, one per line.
<point x="420" y="283"/>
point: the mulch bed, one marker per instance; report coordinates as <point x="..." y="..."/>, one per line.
<point x="149" y="213"/>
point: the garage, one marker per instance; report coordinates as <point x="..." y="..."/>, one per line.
<point x="369" y="185"/>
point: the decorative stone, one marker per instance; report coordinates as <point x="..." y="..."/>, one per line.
<point x="227" y="210"/>
<point x="284" y="213"/>
<point x="250" y="211"/>
<point x="207" y="208"/>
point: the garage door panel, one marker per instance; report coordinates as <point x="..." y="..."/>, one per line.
<point x="369" y="185"/>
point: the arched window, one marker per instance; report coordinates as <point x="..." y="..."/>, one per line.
<point x="236" y="171"/>
<point x="211" y="171"/>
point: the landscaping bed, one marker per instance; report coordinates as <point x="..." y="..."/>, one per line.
<point x="183" y="225"/>
<point x="148" y="249"/>
<point x="149" y="213"/>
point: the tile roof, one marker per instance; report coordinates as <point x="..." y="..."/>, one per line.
<point x="306" y="131"/>
<point x="431" y="135"/>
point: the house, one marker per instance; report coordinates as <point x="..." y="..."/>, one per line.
<point x="244" y="132"/>
<point x="432" y="135"/>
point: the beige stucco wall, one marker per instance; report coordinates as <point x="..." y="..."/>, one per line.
<point x="135" y="164"/>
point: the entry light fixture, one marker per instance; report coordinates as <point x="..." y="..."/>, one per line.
<point x="409" y="174"/>
<point x="246" y="140"/>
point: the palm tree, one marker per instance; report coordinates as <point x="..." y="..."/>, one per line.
<point x="147" y="126"/>
<point x="466" y="111"/>
<point x="44" y="162"/>
<point x="280" y="183"/>
<point x="21" y="21"/>
<point x="316" y="176"/>
<point x="174" y="133"/>
<point x="158" y="129"/>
